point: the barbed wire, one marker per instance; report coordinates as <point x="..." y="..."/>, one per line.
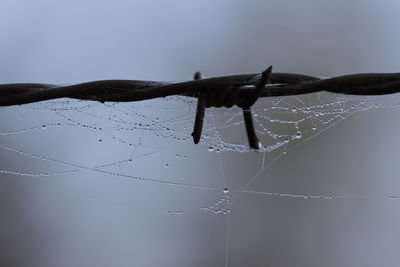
<point x="240" y="90"/>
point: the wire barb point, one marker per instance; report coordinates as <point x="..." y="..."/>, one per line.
<point x="251" y="134"/>
<point x="263" y="79"/>
<point x="201" y="107"/>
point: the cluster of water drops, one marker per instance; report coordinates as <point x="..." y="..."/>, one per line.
<point x="222" y="206"/>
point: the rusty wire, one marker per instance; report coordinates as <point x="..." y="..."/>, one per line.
<point x="240" y="90"/>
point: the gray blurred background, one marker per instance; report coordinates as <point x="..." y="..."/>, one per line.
<point x="94" y="219"/>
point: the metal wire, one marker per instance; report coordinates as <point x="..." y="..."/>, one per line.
<point x="241" y="90"/>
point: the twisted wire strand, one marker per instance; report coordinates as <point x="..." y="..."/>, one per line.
<point x="281" y="84"/>
<point x="227" y="91"/>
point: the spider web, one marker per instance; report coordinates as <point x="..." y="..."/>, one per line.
<point x="144" y="152"/>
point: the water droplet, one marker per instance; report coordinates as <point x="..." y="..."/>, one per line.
<point x="210" y="149"/>
<point x="43" y="126"/>
<point x="226" y="191"/>
<point x="166" y="165"/>
<point x="100" y="140"/>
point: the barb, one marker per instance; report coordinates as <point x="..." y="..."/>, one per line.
<point x="241" y="90"/>
<point x="201" y="107"/>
